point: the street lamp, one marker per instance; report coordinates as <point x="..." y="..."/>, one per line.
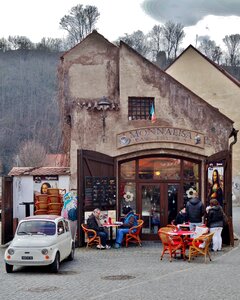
<point x="103" y="105"/>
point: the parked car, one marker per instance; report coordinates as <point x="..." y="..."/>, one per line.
<point x="39" y="241"/>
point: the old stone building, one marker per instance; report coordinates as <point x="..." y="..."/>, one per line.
<point x="136" y="136"/>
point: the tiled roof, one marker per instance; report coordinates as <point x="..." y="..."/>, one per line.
<point x="18" y="171"/>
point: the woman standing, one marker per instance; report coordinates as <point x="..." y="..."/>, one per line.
<point x="215" y="223"/>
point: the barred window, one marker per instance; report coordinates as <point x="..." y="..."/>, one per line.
<point x="139" y="108"/>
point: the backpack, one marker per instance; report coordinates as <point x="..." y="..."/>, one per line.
<point x="72" y="214"/>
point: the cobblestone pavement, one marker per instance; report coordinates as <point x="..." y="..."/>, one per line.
<point x="128" y="273"/>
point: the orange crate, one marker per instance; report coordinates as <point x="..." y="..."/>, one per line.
<point x="53" y="191"/>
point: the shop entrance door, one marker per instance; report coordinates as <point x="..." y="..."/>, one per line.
<point x="158" y="205"/>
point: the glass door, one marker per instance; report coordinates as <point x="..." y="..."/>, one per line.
<point x="173" y="201"/>
<point x="150" y="209"/>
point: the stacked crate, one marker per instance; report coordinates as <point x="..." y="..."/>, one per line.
<point x="50" y="203"/>
<point x="54" y="201"/>
<point x="41" y="204"/>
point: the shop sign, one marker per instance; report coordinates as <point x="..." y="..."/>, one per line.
<point x="160" y="134"/>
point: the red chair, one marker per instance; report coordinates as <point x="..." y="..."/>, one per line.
<point x="91" y="236"/>
<point x="133" y="235"/>
<point x="171" y="244"/>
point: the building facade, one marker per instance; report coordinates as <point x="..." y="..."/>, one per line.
<point x="136" y="136"/>
<point x="220" y="89"/>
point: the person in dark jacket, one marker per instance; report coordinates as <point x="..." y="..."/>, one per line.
<point x="130" y="220"/>
<point x="94" y="223"/>
<point x="181" y="216"/>
<point x="215" y="223"/>
<point x="195" y="211"/>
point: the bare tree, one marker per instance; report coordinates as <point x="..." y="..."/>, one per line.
<point x="80" y="22"/>
<point x="20" y="43"/>
<point x="232" y="43"/>
<point x="210" y="49"/>
<point x="31" y="154"/>
<point x="4" y="45"/>
<point x="173" y="35"/>
<point x="50" y="45"/>
<point x="138" y="41"/>
<point x="155" y="37"/>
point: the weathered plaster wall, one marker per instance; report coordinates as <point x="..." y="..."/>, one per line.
<point x="120" y="73"/>
<point x="204" y="79"/>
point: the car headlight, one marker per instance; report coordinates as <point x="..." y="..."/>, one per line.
<point x="10" y="251"/>
<point x="44" y="251"/>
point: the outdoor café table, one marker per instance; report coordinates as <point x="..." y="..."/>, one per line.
<point x="111" y="226"/>
<point x="182" y="234"/>
<point x="183" y="226"/>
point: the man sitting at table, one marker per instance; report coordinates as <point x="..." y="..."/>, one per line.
<point x="94" y="223"/>
<point x="130" y="220"/>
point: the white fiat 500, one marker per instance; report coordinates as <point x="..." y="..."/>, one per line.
<point x="39" y="241"/>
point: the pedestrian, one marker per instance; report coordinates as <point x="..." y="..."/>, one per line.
<point x="94" y="223"/>
<point x="215" y="222"/>
<point x="195" y="211"/>
<point x="130" y="220"/>
<point x="69" y="211"/>
<point x="181" y="217"/>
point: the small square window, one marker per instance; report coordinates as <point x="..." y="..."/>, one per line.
<point x="139" y="108"/>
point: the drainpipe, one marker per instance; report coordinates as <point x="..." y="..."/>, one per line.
<point x="234" y="135"/>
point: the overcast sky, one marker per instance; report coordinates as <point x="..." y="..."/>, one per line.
<point x="40" y="18"/>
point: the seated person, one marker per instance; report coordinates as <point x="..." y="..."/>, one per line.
<point x="129" y="221"/>
<point x="94" y="223"/>
<point x="181" y="216"/>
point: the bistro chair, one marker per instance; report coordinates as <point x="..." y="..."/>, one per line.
<point x="174" y="227"/>
<point x="133" y="236"/>
<point x="165" y="229"/>
<point x="171" y="244"/>
<point x="200" y="246"/>
<point x="91" y="236"/>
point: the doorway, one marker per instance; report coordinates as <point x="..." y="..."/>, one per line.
<point x="158" y="206"/>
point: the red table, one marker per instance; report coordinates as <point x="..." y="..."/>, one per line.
<point x="182" y="232"/>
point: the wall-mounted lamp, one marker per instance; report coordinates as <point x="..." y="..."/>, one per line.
<point x="103" y="105"/>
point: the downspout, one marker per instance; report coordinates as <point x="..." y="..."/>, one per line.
<point x="234" y="135"/>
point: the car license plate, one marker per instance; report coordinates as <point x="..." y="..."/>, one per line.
<point x="27" y="257"/>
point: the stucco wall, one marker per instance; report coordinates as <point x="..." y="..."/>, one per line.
<point x="204" y="79"/>
<point x="128" y="74"/>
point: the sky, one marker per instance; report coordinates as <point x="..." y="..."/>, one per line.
<point x="36" y="19"/>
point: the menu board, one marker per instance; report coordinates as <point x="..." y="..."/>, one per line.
<point x="100" y="192"/>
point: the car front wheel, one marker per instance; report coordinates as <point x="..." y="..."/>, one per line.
<point x="9" y="268"/>
<point x="71" y="255"/>
<point x="55" y="265"/>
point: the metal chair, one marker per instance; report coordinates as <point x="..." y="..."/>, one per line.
<point x="91" y="236"/>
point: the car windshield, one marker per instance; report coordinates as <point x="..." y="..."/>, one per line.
<point x="36" y="227"/>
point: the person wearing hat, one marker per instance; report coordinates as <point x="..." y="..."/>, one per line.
<point x="130" y="220"/>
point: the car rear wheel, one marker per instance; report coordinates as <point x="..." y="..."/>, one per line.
<point x="9" y="268"/>
<point x="55" y="265"/>
<point x="71" y="255"/>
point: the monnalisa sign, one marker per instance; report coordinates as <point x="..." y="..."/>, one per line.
<point x="160" y="134"/>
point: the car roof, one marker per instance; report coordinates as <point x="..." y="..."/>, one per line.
<point x="43" y="217"/>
